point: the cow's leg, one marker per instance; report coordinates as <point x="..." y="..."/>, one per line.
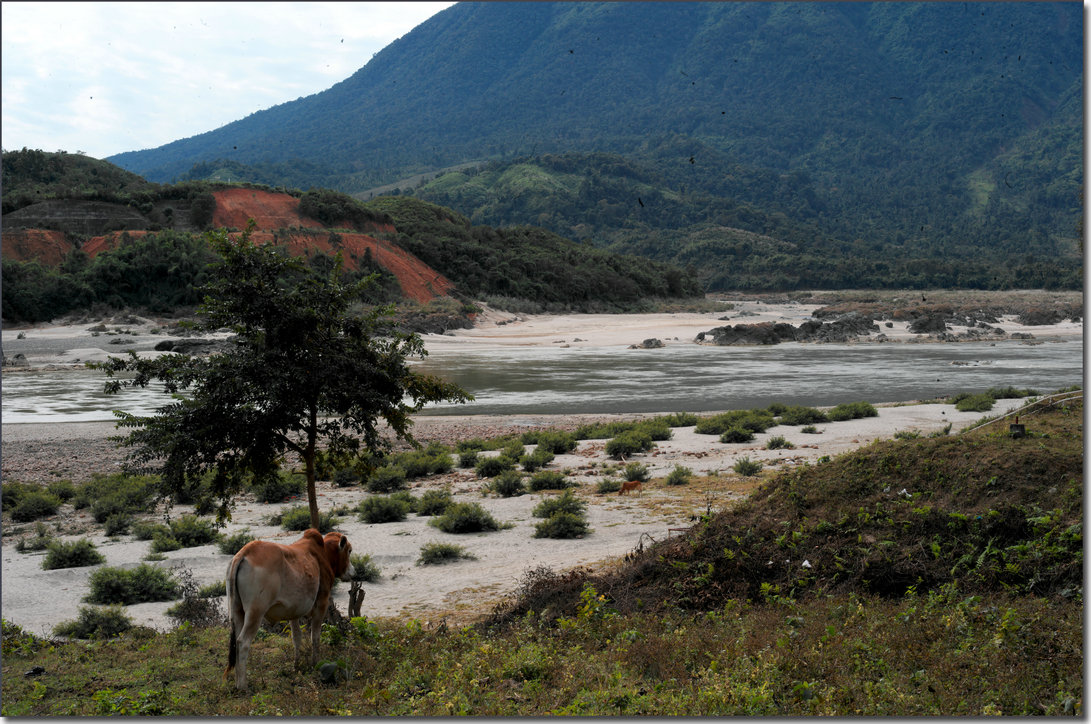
<point x="318" y="615"/>
<point x="297" y="639"/>
<point x="245" y="637"/>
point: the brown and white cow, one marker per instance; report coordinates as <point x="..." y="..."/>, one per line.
<point x="279" y="582"/>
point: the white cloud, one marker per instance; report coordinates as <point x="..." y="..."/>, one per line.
<point x="111" y="77"/>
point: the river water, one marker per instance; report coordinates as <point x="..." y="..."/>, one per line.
<point x="693" y="378"/>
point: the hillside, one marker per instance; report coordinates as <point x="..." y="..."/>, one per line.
<point x="931" y="135"/>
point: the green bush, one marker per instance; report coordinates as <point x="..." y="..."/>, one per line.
<point x="71" y="555"/>
<point x="232" y="544"/>
<point x="566" y="502"/>
<point x="39" y="542"/>
<point x="562" y="525"/>
<point x="681" y="419"/>
<point x="465" y="518"/>
<point x="753" y="420"/>
<point x="492" y="466"/>
<point x="345" y="477"/>
<point x="557" y="442"/>
<point x="507" y="484"/>
<point x="145" y="530"/>
<point x="278" y="487"/>
<point x="656" y="429"/>
<point x="467" y="458"/>
<point x="629" y="443"/>
<point x="852" y="411"/>
<point x="798" y="415"/>
<point x="299" y="518"/>
<point x="387" y="479"/>
<point x="1000" y="393"/>
<point x="164" y="542"/>
<point x="609" y="485"/>
<point x="192" y="531"/>
<point x="433" y="502"/>
<point x="142" y="584"/>
<point x="602" y="430"/>
<point x="778" y="442"/>
<point x="746" y="466"/>
<point x="679" y="476"/>
<point x="975" y="403"/>
<point x="118" y="524"/>
<point x="364" y="569"/>
<point x="108" y="495"/>
<point x="536" y="460"/>
<point x="810" y="430"/>
<point x="736" y="435"/>
<point x="548" y="480"/>
<point x="383" y="509"/>
<point x="34" y="505"/>
<point x="63" y="489"/>
<point x="637" y="471"/>
<point x="13" y="493"/>
<point x="95" y="623"/>
<point x="213" y="590"/>
<point x="438" y="553"/>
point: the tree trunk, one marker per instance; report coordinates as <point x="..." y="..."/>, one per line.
<point x="309" y="455"/>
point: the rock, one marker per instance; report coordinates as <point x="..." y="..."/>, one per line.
<point x="19" y="360"/>
<point x="929" y="324"/>
<point x="651" y="343"/>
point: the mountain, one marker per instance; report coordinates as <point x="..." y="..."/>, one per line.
<point x="917" y="132"/>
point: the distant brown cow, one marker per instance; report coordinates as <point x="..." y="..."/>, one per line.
<point x="282" y="583"/>
<point x="631" y="485"/>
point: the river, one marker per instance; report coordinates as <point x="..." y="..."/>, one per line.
<point x="693" y="378"/>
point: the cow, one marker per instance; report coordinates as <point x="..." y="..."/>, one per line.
<point x="277" y="582"/>
<point x="631" y="485"/>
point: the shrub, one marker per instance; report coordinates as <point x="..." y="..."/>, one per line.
<point x="95" y="623"/>
<point x="71" y="555"/>
<point x="975" y="403"/>
<point x="164" y="542"/>
<point x="536" y="460"/>
<point x="383" y="509"/>
<point x="602" y="430"/>
<point x="637" y="471"/>
<point x="736" y="434"/>
<point x="41" y="540"/>
<point x="14" y="492"/>
<point x="465" y="518"/>
<point x="746" y="466"/>
<point x="299" y="518"/>
<point x="547" y="480"/>
<point x="562" y="525"/>
<point x="142" y="584"/>
<point x="232" y="544"/>
<point x="144" y="530"/>
<point x="557" y="442"/>
<point x="433" y="502"/>
<point x="566" y="502"/>
<point x="609" y="485"/>
<point x="467" y="458"/>
<point x="778" y="442"/>
<point x="278" y="487"/>
<point x="438" y="553"/>
<point x="213" y="590"/>
<point x="364" y="569"/>
<point x="656" y="429"/>
<point x="997" y="393"/>
<point x="34" y="505"/>
<point x="753" y="420"/>
<point x="118" y="524"/>
<point x="507" y="484"/>
<point x="191" y="531"/>
<point x="810" y="430"/>
<point x="194" y="608"/>
<point x="387" y="479"/>
<point x="679" y="476"/>
<point x="629" y="443"/>
<point x="63" y="489"/>
<point x="799" y="415"/>
<point x="852" y="411"/>
<point x="108" y="495"/>
<point x="681" y="419"/>
<point x="492" y="466"/>
<point x="345" y="477"/>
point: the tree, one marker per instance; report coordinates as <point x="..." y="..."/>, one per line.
<point x="308" y="363"/>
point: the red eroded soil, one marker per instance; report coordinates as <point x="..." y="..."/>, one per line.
<point x="97" y="244"/>
<point x="269" y="210"/>
<point x="42" y="245"/>
<point x="418" y="281"/>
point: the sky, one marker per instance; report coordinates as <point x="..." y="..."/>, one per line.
<point x="106" y="77"/>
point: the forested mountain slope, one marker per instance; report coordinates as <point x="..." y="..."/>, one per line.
<point x="926" y="131"/>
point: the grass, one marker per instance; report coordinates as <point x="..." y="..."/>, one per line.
<point x="962" y="596"/>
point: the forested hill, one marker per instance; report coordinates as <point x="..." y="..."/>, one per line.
<point x="928" y="132"/>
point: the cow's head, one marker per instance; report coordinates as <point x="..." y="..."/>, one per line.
<point x="338" y="550"/>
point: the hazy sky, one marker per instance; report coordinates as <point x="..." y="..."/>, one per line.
<point x="106" y="77"/>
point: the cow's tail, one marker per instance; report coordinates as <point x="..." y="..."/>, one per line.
<point x="232" y="596"/>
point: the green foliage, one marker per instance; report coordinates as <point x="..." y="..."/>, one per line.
<point x="387" y="479"/>
<point x="967" y="402"/>
<point x="93" y="622"/>
<point x="383" y="509"/>
<point x="746" y="466"/>
<point x="566" y="502"/>
<point x="680" y="475"/>
<point x="1009" y="392"/>
<point x="364" y="568"/>
<point x="278" y="487"/>
<point x="213" y="590"/>
<point x="637" y="471"/>
<point x="562" y="525"/>
<point x="536" y="460"/>
<point x="108" y="495"/>
<point x="298" y="517"/>
<point x="507" y="484"/>
<point x="117" y="524"/>
<point x="490" y="467"/>
<point x="557" y="442"/>
<point x="34" y="505"/>
<point x="629" y="443"/>
<point x="778" y="442"/>
<point x="439" y="553"/>
<point x="82" y="552"/>
<point x="798" y="415"/>
<point x="433" y="502"/>
<point x="39" y="542"/>
<point x="335" y="209"/>
<point x="736" y="434"/>
<point x="548" y="480"/>
<point x="609" y="485"/>
<point x="852" y="411"/>
<point x="142" y="584"/>
<point x="465" y="518"/>
<point x="752" y="420"/>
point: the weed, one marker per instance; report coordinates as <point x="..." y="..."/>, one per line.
<point x="438" y="553"/>
<point x="746" y="466"/>
<point x="680" y="475"/>
<point x="778" y="442"/>
<point x="637" y="471"/>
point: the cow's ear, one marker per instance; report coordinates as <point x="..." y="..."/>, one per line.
<point x="344" y="543"/>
